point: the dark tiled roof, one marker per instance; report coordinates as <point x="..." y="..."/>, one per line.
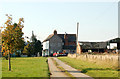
<point x="71" y="37"/>
<point x="115" y="40"/>
<point x="93" y="45"/>
<point x="61" y="36"/>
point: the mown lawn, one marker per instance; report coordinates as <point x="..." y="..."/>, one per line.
<point x="90" y="68"/>
<point x="26" y="67"/>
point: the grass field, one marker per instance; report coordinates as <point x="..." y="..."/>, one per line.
<point x="26" y="67"/>
<point x="90" y="68"/>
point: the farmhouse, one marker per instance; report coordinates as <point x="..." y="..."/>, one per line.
<point x="59" y="42"/>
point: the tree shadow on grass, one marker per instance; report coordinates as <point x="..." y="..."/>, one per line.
<point x="87" y="69"/>
<point x="69" y="71"/>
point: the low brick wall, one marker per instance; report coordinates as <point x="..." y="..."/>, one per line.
<point x="112" y="58"/>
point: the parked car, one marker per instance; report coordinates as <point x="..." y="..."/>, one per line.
<point x="56" y="54"/>
<point x="60" y="53"/>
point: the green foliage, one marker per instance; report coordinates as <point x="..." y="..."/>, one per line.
<point x="12" y="39"/>
<point x="28" y="50"/>
<point x="32" y="48"/>
<point x="25" y="51"/>
<point x="38" y="47"/>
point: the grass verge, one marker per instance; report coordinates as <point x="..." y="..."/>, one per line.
<point x="90" y="68"/>
<point x="26" y="67"/>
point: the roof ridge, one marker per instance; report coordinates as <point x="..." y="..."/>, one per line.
<point x="50" y="36"/>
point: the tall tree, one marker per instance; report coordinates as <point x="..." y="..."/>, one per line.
<point x="32" y="48"/>
<point x="28" y="50"/>
<point x="33" y="37"/>
<point x="38" y="47"/>
<point x="12" y="37"/>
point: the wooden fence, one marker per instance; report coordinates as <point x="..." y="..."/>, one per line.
<point x="111" y="58"/>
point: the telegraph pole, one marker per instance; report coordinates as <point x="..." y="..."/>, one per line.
<point x="77" y="37"/>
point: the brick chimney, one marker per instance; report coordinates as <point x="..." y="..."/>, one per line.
<point x="55" y="32"/>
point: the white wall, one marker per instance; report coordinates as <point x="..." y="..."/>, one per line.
<point x="46" y="45"/>
<point x="112" y="45"/>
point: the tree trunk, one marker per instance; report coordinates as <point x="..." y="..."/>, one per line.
<point x="9" y="64"/>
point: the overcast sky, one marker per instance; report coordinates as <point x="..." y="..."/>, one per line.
<point x="98" y="19"/>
